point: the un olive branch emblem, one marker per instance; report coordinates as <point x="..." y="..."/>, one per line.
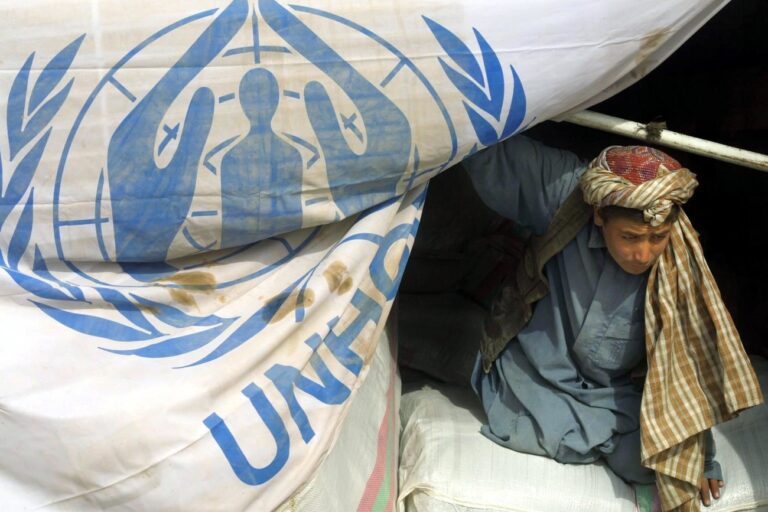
<point x="32" y="108"/>
<point x="29" y="115"/>
<point x="482" y="84"/>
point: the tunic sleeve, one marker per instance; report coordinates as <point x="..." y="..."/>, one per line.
<point x="524" y="180"/>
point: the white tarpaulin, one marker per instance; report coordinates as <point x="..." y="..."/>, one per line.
<point x="206" y="208"/>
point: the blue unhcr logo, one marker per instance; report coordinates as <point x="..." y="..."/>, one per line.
<point x="179" y="178"/>
<point x="164" y="148"/>
<point x="146" y="200"/>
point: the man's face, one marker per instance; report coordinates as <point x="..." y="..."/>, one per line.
<point x="635" y="246"/>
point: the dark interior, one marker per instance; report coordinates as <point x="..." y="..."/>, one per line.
<point x="713" y="87"/>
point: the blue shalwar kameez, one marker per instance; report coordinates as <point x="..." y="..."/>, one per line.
<point x="564" y="387"/>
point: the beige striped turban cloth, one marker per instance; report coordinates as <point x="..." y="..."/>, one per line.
<point x="698" y="373"/>
<point x="638" y="177"/>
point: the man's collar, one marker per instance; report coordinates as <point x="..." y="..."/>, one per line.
<point x="596" y="240"/>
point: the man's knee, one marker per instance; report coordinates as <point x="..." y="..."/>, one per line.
<point x="625" y="460"/>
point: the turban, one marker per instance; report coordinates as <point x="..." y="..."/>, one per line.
<point x="640" y="178"/>
<point x="698" y="373"/>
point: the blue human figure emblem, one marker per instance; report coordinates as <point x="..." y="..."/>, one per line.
<point x="261" y="176"/>
<point x="357" y="181"/>
<point x="150" y="203"/>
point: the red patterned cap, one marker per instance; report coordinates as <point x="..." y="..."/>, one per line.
<point x="638" y="164"/>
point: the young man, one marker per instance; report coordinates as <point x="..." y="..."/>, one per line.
<point x="614" y="271"/>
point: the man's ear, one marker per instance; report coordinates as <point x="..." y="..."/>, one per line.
<point x="597" y="217"/>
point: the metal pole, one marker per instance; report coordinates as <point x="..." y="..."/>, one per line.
<point x="656" y="134"/>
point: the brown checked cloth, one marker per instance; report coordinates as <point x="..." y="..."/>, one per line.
<point x="698" y="372"/>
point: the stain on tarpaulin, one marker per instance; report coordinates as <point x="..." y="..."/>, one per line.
<point x="650" y="43"/>
<point x="296" y="299"/>
<point x="188" y="282"/>
<point x="338" y="278"/>
<point x="195" y="280"/>
<point x="147" y="309"/>
<point x="182" y="297"/>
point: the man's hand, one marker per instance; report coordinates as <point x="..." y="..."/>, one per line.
<point x="710" y="488"/>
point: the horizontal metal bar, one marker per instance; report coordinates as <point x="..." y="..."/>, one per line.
<point x="658" y="135"/>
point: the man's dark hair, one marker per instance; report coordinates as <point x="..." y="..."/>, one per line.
<point x="616" y="212"/>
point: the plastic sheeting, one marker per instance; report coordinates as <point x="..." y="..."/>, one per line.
<point x="206" y="208"/>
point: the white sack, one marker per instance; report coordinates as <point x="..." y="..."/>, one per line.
<point x="446" y="464"/>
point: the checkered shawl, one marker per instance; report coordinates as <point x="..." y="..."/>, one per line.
<point x="698" y="373"/>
